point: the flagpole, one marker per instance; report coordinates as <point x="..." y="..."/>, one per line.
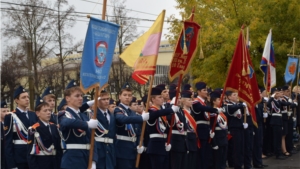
<point x="144" y="123"/>
<point x="92" y="141"/>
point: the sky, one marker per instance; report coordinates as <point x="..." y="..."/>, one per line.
<point x="145" y="9"/>
<point x="153" y="7"/>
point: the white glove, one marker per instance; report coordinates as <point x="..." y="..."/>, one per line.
<point x="93" y="165"/>
<point x="216" y="148"/>
<point x="220" y="110"/>
<point x="145" y="116"/>
<point x="266" y="99"/>
<point x="296" y="103"/>
<point x="289" y="113"/>
<point x="90" y="103"/>
<point x="290" y="100"/>
<point x="245" y="125"/>
<point x="175" y="108"/>
<point x="265" y="115"/>
<point x="211" y="134"/>
<point x="173" y="101"/>
<point x="253" y="133"/>
<point x="140" y="150"/>
<point x="273" y="95"/>
<point x="244" y="104"/>
<point x="168" y="147"/>
<point x="294" y="118"/>
<point x="92" y="123"/>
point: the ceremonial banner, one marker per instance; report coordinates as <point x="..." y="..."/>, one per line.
<point x="142" y="53"/>
<point x="97" y="55"/>
<point x="181" y="61"/>
<point x="267" y="64"/>
<point x="291" y="70"/>
<point x="241" y="77"/>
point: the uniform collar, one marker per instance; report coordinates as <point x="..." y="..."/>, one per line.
<point x="74" y="110"/>
<point x="126" y="107"/>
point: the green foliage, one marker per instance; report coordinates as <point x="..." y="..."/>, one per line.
<point x="221" y="21"/>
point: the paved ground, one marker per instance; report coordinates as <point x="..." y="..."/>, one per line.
<point x="292" y="162"/>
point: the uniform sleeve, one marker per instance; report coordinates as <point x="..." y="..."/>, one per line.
<point x="122" y="119"/>
<point x="231" y="109"/>
<point x="67" y="123"/>
<point x="200" y="108"/>
<point x="84" y="107"/>
<point x="9" y="150"/>
<point x="31" y="159"/>
<point x="163" y="112"/>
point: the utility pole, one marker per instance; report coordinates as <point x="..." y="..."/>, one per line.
<point x="30" y="73"/>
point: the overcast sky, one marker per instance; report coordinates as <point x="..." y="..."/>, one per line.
<point x="153" y="7"/>
<point x="145" y="9"/>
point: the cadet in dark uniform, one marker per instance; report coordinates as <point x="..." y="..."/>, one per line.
<point x="44" y="149"/>
<point x="126" y="121"/>
<point x="248" y="138"/>
<point x="276" y="122"/>
<point x="62" y="105"/>
<point x="201" y="114"/>
<point x="157" y="147"/>
<point x="258" y="136"/>
<point x="178" y="153"/>
<point x="105" y="134"/>
<point x="165" y="95"/>
<point x="49" y="98"/>
<point x="267" y="130"/>
<point x="289" y="136"/>
<point x="220" y="138"/>
<point x="193" y="143"/>
<point x="16" y="131"/>
<point x="75" y="127"/>
<point x="133" y="104"/>
<point x="4" y="111"/>
<point x="235" y="111"/>
<point x="112" y="106"/>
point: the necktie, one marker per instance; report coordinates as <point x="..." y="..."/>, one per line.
<point x="105" y="114"/>
<point x="49" y="128"/>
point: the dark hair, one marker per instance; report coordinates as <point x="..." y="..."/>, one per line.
<point x="49" y="96"/>
<point x="71" y="90"/>
<point x="126" y="89"/>
<point x="39" y="107"/>
<point x="229" y="93"/>
<point x="18" y="97"/>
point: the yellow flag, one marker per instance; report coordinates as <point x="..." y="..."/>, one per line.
<point x="142" y="53"/>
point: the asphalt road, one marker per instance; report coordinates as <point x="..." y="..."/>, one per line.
<point x="292" y="162"/>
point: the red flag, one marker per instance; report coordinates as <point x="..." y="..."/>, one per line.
<point x="181" y="61"/>
<point x="241" y="77"/>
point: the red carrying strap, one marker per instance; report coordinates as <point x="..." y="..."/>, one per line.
<point x="193" y="125"/>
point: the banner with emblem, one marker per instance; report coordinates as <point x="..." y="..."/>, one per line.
<point x="97" y="55"/>
<point x="291" y="69"/>
<point x="241" y="77"/>
<point x="181" y="59"/>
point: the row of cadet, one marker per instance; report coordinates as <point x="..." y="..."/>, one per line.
<point x="195" y="131"/>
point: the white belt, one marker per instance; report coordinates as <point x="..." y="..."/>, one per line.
<point x="126" y="138"/>
<point x="44" y="153"/>
<point x="178" y="132"/>
<point x="19" y="142"/>
<point x="276" y="114"/>
<point x="219" y="128"/>
<point x="283" y="111"/>
<point x="104" y="140"/>
<point x="158" y="136"/>
<point x="78" y="146"/>
<point x="202" y="122"/>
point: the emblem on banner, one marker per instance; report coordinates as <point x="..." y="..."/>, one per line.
<point x="101" y="50"/>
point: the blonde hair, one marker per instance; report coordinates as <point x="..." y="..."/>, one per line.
<point x="295" y="88"/>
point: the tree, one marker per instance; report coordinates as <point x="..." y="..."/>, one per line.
<point x="30" y="21"/>
<point x="220" y="23"/>
<point x="63" y="21"/>
<point x="120" y="73"/>
<point x="12" y="70"/>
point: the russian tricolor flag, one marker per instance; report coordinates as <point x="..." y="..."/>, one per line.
<point x="267" y="64"/>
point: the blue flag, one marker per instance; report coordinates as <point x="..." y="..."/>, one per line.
<point x="291" y="69"/>
<point x="98" y="51"/>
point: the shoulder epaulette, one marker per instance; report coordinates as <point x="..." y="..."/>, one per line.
<point x="153" y="109"/>
<point x="61" y="113"/>
<point x="195" y="101"/>
<point x="51" y="123"/>
<point x="36" y="125"/>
